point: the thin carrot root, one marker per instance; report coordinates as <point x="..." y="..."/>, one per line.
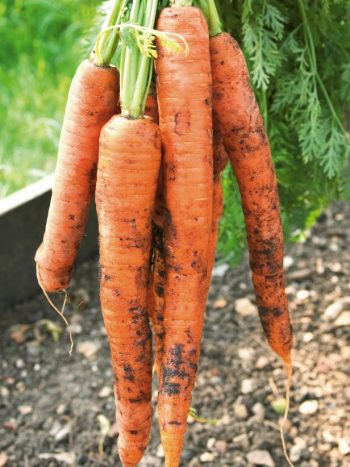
<point x="60" y="312"/>
<point x="289" y="371"/>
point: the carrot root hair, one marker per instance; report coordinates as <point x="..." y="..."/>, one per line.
<point x="60" y="312"/>
<point x="289" y="373"/>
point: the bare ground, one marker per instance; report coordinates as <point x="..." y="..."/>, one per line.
<point x="59" y="410"/>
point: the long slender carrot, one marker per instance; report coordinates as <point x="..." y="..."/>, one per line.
<point x="184" y="98"/>
<point x="127" y="175"/>
<point x="238" y="118"/>
<point x="125" y="193"/>
<point x="92" y="100"/>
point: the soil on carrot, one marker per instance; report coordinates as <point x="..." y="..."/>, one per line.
<point x="56" y="410"/>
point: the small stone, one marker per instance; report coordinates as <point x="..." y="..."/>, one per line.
<point x="207" y="457"/>
<point x="248" y="386"/>
<point x="4" y="392"/>
<point x="241" y="440"/>
<point x="327" y="436"/>
<point x="221" y="446"/>
<point x="88" y="348"/>
<point x="333" y="310"/>
<point x="261" y="363"/>
<point x="299" y="274"/>
<point x="307" y="337"/>
<point x="246" y="354"/>
<point x="220" y="271"/>
<point x="224" y="420"/>
<point x="260" y="457"/>
<point x="297" y="449"/>
<point x="259" y="411"/>
<point x="211" y="443"/>
<point x="308" y="407"/>
<point x="76" y="328"/>
<point x="160" y="452"/>
<point x="25" y="409"/>
<point x="343" y="446"/>
<point x="343" y="319"/>
<point x="10" y="424"/>
<point x="240" y="411"/>
<point x="219" y="303"/>
<point x="106" y="391"/>
<point x="288" y="261"/>
<point x="19" y="363"/>
<point x="245" y="307"/>
<point x="3" y="459"/>
<point x="302" y="295"/>
<point x="63" y="433"/>
<point x="61" y="409"/>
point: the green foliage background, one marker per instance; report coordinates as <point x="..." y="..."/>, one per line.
<point x="298" y="53"/>
<point x="41" y="45"/>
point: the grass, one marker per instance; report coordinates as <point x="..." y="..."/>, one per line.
<point x="41" y="47"/>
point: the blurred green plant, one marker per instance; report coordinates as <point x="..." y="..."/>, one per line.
<point x="40" y="48"/>
<point x="298" y="53"/>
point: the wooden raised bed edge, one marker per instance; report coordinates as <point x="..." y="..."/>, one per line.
<point x="22" y="223"/>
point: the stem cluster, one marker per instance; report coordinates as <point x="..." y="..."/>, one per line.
<point x="136" y="67"/>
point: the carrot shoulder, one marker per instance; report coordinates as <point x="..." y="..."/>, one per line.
<point x="238" y="118"/>
<point x="92" y="100"/>
<point x="184" y="98"/>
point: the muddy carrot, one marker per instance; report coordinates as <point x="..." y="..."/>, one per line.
<point x="184" y="99"/>
<point x="237" y="117"/>
<point x="127" y="175"/>
<point x="92" y="100"/>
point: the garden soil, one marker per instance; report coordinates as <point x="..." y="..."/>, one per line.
<point x="57" y="410"/>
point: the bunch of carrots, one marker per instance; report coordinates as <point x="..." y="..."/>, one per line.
<point x="152" y="155"/>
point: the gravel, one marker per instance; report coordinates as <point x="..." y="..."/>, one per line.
<point x="57" y="410"/>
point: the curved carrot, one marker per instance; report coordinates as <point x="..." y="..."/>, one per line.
<point x="240" y="123"/>
<point x="125" y="192"/>
<point x="184" y="98"/>
<point x="92" y="100"/>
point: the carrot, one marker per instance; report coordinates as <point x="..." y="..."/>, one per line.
<point x="238" y="119"/>
<point x="127" y="175"/>
<point x="184" y="99"/>
<point x="248" y="148"/>
<point x="155" y="299"/>
<point x="92" y="100"/>
<point x="125" y="193"/>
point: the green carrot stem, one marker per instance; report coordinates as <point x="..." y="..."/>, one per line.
<point x="181" y="2"/>
<point x="103" y="55"/>
<point x="136" y="65"/>
<point x="211" y="13"/>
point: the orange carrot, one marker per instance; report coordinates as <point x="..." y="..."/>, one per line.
<point x="125" y="192"/>
<point x="92" y="100"/>
<point x="237" y="115"/>
<point x="184" y="98"/>
<point x="127" y="175"/>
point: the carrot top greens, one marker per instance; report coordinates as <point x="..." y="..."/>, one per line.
<point x="137" y="53"/>
<point x="105" y="48"/>
<point x="210" y="11"/>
